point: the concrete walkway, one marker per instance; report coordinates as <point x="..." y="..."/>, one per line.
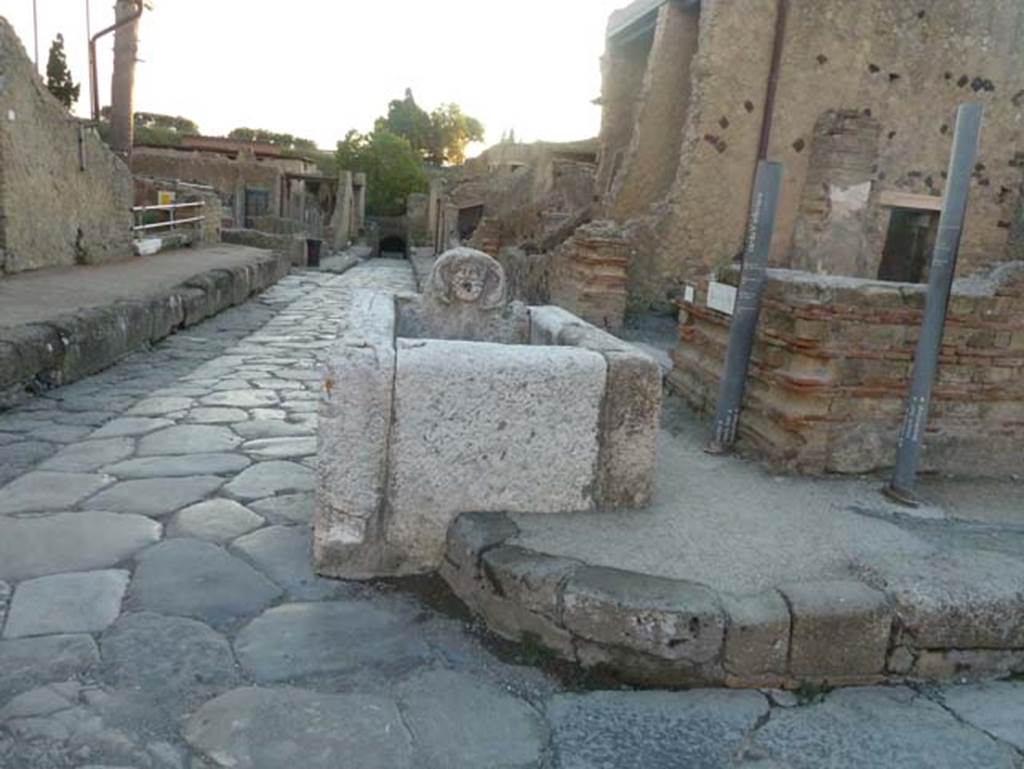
<point x="158" y="611"/>
<point x="43" y="295"/>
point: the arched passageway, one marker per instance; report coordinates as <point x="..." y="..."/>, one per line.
<point x="393" y="247"/>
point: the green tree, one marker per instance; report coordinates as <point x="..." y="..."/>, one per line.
<point x="283" y="140"/>
<point x="407" y="119"/>
<point x="58" y="76"/>
<point x="438" y="137"/>
<point x="393" y="169"/>
<point x="451" y="132"/>
<point x="152" y="128"/>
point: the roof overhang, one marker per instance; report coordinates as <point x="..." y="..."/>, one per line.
<point x="639" y="17"/>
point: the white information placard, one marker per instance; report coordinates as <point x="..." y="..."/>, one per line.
<point x="721" y="297"/>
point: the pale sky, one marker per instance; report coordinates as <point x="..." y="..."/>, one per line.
<point x="316" y="68"/>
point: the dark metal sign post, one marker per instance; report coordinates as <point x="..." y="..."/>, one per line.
<point x="748" y="306"/>
<point x="940" y="284"/>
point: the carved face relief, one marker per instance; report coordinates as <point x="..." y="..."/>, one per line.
<point x="468" y="281"/>
<point x="467" y="277"/>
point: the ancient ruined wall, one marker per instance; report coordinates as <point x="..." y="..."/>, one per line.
<point x="833" y="231"/>
<point x="911" y="66"/>
<point x="588" y="275"/>
<point x="229" y="177"/>
<point x="650" y="162"/>
<point x="831" y="363"/>
<point x="623" y="67"/>
<point x="902" y="68"/>
<point x="704" y="224"/>
<point x="65" y="198"/>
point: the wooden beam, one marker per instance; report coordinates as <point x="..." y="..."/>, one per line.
<point x="910" y="201"/>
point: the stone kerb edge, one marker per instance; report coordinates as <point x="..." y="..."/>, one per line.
<point x="39" y="356"/>
<point x="657" y="631"/>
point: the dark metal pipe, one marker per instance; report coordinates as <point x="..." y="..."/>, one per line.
<point x="781" y="17"/>
<point x="94" y="88"/>
<point x="747" y="309"/>
<point x="940" y="284"/>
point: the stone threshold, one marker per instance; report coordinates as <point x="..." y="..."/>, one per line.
<point x="39" y="356"/>
<point x="655" y="631"/>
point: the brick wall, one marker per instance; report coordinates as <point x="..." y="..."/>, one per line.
<point x="831" y="366"/>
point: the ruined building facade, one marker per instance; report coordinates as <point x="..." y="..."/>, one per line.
<point x="856" y="98"/>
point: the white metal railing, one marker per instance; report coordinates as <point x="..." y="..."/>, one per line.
<point x="171" y="222"/>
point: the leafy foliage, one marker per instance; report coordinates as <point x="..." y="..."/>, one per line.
<point x="282" y="140"/>
<point x="392" y="167"/>
<point x="452" y="131"/>
<point x="58" y="76"/>
<point x="439" y="137"/>
<point x="152" y="128"/>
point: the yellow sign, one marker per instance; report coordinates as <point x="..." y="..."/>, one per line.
<point x="164" y="197"/>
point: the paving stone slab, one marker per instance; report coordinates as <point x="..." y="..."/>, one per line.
<point x="190" y="578"/>
<point x="61" y="433"/>
<point x="652" y="730"/>
<point x="156" y="407"/>
<point x="24" y="454"/>
<point x="876" y="726"/>
<point x="268" y="478"/>
<point x="243" y="399"/>
<point x="76" y="602"/>
<point x="155" y="496"/>
<point x="996" y="707"/>
<point x="285" y="554"/>
<point x="271" y="428"/>
<point x="215" y="520"/>
<point x="41" y="491"/>
<point x="493" y="728"/>
<point x="167" y="655"/>
<point x="215" y="415"/>
<point x="131" y="426"/>
<point x="256" y="728"/>
<point x="314" y="639"/>
<point x="41" y="701"/>
<point x="188" y="439"/>
<point x="29" y="662"/>
<point x="281" y="448"/>
<point x="167" y="466"/>
<point x="41" y="545"/>
<point x="286" y="508"/>
<point x="90" y="455"/>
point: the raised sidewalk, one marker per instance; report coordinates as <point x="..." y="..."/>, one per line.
<point x="59" y="325"/>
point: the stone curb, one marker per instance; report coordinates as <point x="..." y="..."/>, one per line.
<point x="40" y="356"/>
<point x="655" y="631"/>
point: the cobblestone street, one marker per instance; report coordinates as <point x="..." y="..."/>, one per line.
<point x="159" y="611"/>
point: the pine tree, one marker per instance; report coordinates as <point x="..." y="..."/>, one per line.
<point x="58" y="76"/>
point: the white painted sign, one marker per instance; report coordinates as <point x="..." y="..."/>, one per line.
<point x="721" y="297"/>
<point x="689" y="294"/>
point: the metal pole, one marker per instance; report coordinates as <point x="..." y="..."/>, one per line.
<point x="940" y="284"/>
<point x="748" y="306"/>
<point x="35" y="31"/>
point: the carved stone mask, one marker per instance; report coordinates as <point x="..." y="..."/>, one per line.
<point x="468" y="281"/>
<point x="468" y="277"/>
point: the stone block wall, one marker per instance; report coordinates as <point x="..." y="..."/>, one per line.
<point x="831" y="365"/>
<point x="65" y="198"/>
